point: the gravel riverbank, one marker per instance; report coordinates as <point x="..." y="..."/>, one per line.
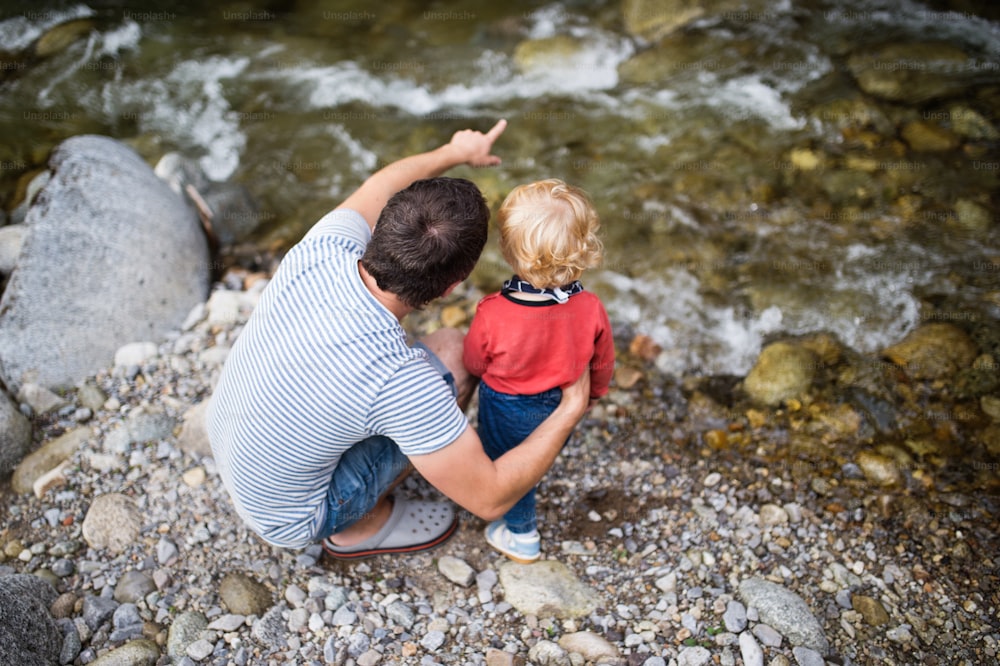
<point x="678" y="528"/>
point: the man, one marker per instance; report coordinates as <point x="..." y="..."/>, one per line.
<point x="322" y="407"/>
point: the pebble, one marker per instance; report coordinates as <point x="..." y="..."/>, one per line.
<point x="767" y="635"/>
<point x="735" y="617"/>
<point x="694" y="656"/>
<point x="589" y="645"/>
<point x="808" y="657"/>
<point x="750" y="650"/>
<point x="456" y="570"/>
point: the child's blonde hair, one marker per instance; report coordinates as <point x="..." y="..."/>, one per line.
<point x="548" y="233"/>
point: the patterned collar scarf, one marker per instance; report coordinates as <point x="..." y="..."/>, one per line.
<point x="557" y="294"/>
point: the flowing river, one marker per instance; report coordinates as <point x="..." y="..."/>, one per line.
<point x="750" y="178"/>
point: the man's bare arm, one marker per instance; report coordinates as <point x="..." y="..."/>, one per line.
<point x="489" y="488"/>
<point x="466" y="147"/>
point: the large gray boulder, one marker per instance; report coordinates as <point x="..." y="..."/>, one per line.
<point x="29" y="635"/>
<point x="112" y="256"/>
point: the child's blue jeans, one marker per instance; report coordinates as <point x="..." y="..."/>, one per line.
<point x="504" y="422"/>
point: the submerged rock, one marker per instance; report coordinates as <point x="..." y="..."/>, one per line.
<point x="548" y="52"/>
<point x="912" y="72"/>
<point x="782" y="371"/>
<point x="933" y="351"/>
<point x="924" y="136"/>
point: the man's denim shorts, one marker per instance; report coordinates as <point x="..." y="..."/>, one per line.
<point x="368" y="469"/>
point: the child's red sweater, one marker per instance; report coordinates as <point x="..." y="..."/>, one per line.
<point x="527" y="347"/>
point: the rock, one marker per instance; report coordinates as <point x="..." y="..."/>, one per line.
<point x="456" y="570"/>
<point x="626" y="376"/>
<point x="772" y="514"/>
<point x="546" y="589"/>
<point x="235" y="212"/>
<point x="40" y="399"/>
<point x="750" y="651"/>
<point x="923" y="136"/>
<point x="134" y="353"/>
<point x="400" y="613"/>
<point x="432" y="640"/>
<point x="15" y="434"/>
<point x="589" y="645"/>
<point x="694" y="656"/>
<point x="871" y="610"/>
<point x="547" y="653"/>
<point x="991" y="407"/>
<point x="735" y="617"/>
<point x="133" y="586"/>
<point x="933" y="351"/>
<point x="224" y="306"/>
<point x="785" y="611"/>
<point x="47" y="457"/>
<point x="807" y="657"/>
<point x="767" y="635"/>
<point x="113" y="522"/>
<point x="54" y="478"/>
<point x="28" y="632"/>
<point x="97" y="610"/>
<point x="546" y="53"/>
<point x="495" y="657"/>
<point x="782" y="371"/>
<point x="644" y="347"/>
<point x="149" y="424"/>
<point x="91" y="397"/>
<point x="185" y="630"/>
<point x="11" y="241"/>
<point x="271" y="629"/>
<point x="911" y="72"/>
<point x="193" y="438"/>
<point x="141" y="652"/>
<point x="244" y="595"/>
<point x="62" y="36"/>
<point x="453" y="316"/>
<point x="970" y="124"/>
<point x="879" y="469"/>
<point x="75" y="297"/>
<point x="651" y="19"/>
<point x="973" y="216"/>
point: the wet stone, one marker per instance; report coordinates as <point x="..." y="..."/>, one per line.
<point x="871" y="610"/>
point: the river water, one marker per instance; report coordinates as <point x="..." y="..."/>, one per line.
<point x="746" y="184"/>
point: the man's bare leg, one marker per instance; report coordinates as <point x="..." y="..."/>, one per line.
<point x="370" y="523"/>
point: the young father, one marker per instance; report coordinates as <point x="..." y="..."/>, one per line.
<point x="322" y="406"/>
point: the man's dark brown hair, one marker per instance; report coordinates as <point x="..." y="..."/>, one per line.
<point x="428" y="237"/>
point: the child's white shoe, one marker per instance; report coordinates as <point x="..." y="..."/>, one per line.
<point x="523" y="548"/>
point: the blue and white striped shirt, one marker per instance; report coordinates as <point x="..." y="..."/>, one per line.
<point x="319" y="366"/>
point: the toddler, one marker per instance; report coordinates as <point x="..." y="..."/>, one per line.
<point x="540" y="332"/>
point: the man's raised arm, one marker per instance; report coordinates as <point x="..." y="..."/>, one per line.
<point x="468" y="147"/>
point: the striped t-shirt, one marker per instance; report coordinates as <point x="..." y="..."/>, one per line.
<point x="319" y="366"/>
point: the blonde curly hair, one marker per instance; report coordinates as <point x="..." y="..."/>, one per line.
<point x="548" y="233"/>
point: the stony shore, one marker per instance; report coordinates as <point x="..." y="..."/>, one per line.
<point x="680" y="526"/>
